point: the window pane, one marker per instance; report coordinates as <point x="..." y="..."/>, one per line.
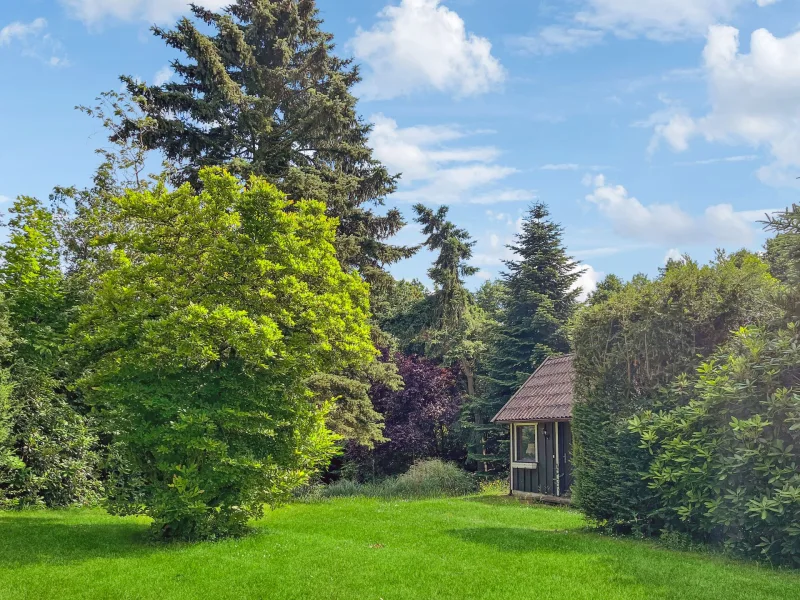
<point x="526" y="443"/>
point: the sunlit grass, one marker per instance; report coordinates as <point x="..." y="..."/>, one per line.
<point x="480" y="547"/>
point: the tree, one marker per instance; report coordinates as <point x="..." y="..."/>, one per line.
<point x="263" y="93"/>
<point x="51" y="441"/>
<point x="420" y="418"/>
<point x="541" y="297"/>
<point x="197" y="348"/>
<point x="533" y="303"/>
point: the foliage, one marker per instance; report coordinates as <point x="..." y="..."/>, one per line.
<point x="637" y="341"/>
<point x="726" y="459"/>
<point x="424" y="479"/>
<point x="198" y="345"/>
<point x="261" y="91"/>
<point x="530" y="306"/>
<point x="419" y="417"/>
<point x="53" y="457"/>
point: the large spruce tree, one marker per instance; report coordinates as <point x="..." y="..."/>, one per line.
<point x="539" y="296"/>
<point x="263" y="93"/>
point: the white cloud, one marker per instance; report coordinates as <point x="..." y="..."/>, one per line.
<point x="4" y="199"/>
<point x="34" y="41"/>
<point x="714" y="161"/>
<point x="661" y="20"/>
<point x="668" y="223"/>
<point x="673" y="254"/>
<point x="587" y="281"/>
<point x="93" y="12"/>
<point x="755" y="99"/>
<point x="571" y="167"/>
<point x="557" y="38"/>
<point x="434" y="170"/>
<point x="484" y="275"/>
<point x="421" y="44"/>
<point x="163" y="75"/>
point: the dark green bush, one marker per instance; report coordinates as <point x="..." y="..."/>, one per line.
<point x="629" y="346"/>
<point x="726" y="461"/>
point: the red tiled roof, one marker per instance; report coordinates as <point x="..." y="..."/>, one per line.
<point x="548" y="394"/>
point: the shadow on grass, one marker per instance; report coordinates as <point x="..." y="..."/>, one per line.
<point x="31" y="540"/>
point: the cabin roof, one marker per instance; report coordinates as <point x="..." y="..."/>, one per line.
<point x="546" y="395"/>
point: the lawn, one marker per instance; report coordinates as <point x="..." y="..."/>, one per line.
<point x="479" y="547"/>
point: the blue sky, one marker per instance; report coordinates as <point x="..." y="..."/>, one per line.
<point x="649" y="127"/>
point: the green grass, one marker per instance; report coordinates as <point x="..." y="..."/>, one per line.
<point x="353" y="548"/>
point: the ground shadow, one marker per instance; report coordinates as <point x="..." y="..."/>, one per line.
<point x="32" y="540"/>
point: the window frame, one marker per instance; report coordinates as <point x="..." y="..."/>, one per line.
<point x="524" y="464"/>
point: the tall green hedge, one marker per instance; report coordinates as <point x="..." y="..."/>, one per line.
<point x="726" y="460"/>
<point x="630" y="345"/>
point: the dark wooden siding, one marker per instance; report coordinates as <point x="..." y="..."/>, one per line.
<point x="542" y="479"/>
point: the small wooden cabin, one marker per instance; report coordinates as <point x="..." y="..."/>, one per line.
<point x="539" y="416"/>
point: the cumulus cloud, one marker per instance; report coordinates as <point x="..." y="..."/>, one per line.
<point x="668" y="223"/>
<point x="437" y="171"/>
<point x="587" y="281"/>
<point x="673" y="254"/>
<point x="93" y="12"/>
<point x="163" y="75"/>
<point x="755" y="99"/>
<point x="653" y="19"/>
<point x="420" y="45"/>
<point x="34" y="41"/>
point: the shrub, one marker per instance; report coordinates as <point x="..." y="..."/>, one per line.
<point x="725" y="461"/>
<point x="629" y="346"/>
<point x="425" y="479"/>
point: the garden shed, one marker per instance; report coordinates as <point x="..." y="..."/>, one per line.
<point x="539" y="416"/>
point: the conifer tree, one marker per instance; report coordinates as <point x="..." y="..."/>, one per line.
<point x="264" y="94"/>
<point x="260" y="91"/>
<point x="538" y="298"/>
<point x="541" y="297"/>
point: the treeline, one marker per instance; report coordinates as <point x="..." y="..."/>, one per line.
<point x="197" y="344"/>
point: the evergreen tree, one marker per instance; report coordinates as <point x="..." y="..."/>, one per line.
<point x="541" y="297"/>
<point x="260" y="91"/>
<point x="537" y="298"/>
<point x="263" y="93"/>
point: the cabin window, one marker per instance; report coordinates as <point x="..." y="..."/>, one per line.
<point x="525" y="447"/>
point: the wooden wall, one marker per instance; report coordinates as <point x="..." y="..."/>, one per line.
<point x="542" y="479"/>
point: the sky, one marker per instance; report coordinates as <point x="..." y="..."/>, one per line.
<point x="650" y="128"/>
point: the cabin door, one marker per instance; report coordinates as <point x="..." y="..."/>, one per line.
<point x="564" y="449"/>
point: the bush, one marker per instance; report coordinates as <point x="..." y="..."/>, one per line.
<point x="425" y="479"/>
<point x="725" y="461"/>
<point x="629" y="346"/>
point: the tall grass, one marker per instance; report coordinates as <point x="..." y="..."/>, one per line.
<point x="425" y="479"/>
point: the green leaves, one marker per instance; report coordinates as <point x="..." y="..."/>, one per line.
<point x="731" y="446"/>
<point x="198" y="347"/>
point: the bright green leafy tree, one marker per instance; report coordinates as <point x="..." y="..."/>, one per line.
<point x="50" y="439"/>
<point x="198" y="345"/>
